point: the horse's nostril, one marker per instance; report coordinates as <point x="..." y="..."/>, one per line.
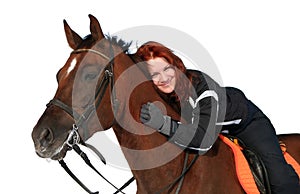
<point x="46" y="137"/>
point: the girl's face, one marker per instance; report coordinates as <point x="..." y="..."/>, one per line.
<point x="162" y="74"/>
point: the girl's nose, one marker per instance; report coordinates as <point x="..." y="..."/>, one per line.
<point x="163" y="77"/>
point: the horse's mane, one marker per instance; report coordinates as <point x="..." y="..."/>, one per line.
<point x="113" y="39"/>
<point x="125" y="47"/>
<point x="119" y="42"/>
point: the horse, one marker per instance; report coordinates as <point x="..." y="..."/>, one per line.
<point x="102" y="87"/>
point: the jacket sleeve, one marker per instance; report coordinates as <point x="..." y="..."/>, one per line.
<point x="202" y="132"/>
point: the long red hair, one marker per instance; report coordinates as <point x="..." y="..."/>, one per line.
<point x="151" y="50"/>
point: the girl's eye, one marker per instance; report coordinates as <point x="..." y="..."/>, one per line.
<point x="169" y="69"/>
<point x="155" y="76"/>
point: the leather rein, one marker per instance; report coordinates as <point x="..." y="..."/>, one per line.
<point x="73" y="140"/>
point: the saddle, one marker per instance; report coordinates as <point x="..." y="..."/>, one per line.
<point x="250" y="169"/>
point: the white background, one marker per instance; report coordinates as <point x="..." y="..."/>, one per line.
<point x="255" y="44"/>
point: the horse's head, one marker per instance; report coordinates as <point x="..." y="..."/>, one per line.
<point x="84" y="83"/>
<point x="99" y="87"/>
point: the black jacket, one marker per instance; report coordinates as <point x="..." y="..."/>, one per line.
<point x="209" y="110"/>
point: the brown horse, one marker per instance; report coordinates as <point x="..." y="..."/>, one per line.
<point x="100" y="87"/>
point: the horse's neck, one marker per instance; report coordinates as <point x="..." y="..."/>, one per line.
<point x="154" y="162"/>
<point x="148" y="153"/>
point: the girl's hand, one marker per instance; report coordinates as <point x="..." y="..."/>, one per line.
<point x="152" y="116"/>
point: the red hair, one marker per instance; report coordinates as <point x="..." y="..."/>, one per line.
<point x="151" y="50"/>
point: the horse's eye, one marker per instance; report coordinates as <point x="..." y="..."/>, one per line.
<point x="90" y="76"/>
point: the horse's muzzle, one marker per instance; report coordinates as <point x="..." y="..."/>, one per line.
<point x="46" y="146"/>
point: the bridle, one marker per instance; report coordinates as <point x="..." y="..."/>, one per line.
<point x="73" y="139"/>
<point x="107" y="78"/>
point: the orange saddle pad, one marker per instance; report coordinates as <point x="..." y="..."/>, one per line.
<point x="243" y="170"/>
<point x="289" y="159"/>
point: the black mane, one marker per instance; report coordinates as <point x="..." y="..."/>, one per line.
<point x="118" y="41"/>
<point x="113" y="39"/>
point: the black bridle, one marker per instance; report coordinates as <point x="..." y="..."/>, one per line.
<point x="80" y="121"/>
<point x="108" y="78"/>
<point x="74" y="138"/>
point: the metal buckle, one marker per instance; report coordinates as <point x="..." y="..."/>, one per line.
<point x="108" y="73"/>
<point x="73" y="137"/>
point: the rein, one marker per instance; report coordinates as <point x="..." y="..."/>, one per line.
<point x="73" y="140"/>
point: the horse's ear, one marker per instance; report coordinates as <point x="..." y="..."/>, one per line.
<point x="95" y="28"/>
<point x="72" y="37"/>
